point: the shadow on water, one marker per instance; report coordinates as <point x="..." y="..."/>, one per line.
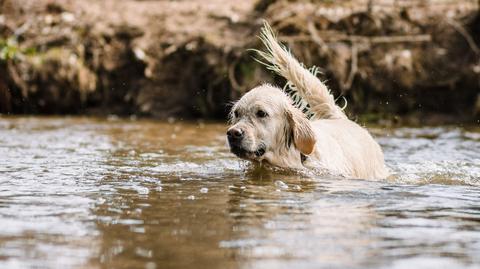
<point x="142" y="194"/>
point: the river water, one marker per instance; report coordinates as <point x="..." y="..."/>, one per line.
<point x="121" y="193"/>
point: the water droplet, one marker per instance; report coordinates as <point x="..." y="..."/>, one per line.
<point x="204" y="190"/>
<point x="281" y="184"/>
<point x="142" y="190"/>
<point x="150" y="265"/>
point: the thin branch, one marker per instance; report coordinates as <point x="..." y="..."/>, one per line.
<point x="316" y="37"/>
<point x="364" y="39"/>
<point x="231" y="76"/>
<point x="17" y="79"/>
<point x="462" y="31"/>
<point x="353" y="69"/>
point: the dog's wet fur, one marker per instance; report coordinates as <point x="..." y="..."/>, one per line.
<point x="266" y="127"/>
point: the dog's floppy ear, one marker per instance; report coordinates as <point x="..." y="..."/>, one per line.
<point x="303" y="135"/>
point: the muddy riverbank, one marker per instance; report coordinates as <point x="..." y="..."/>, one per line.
<point x="399" y="62"/>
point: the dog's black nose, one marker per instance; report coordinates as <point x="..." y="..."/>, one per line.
<point x="235" y="133"/>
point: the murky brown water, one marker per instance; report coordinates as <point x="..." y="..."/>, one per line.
<point x="91" y="193"/>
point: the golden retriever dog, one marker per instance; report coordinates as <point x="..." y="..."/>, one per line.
<point x="305" y="129"/>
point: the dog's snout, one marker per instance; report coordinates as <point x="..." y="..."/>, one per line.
<point x="235" y="133"/>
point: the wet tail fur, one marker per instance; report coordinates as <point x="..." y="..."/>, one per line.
<point x="320" y="101"/>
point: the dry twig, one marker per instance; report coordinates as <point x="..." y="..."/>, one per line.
<point x="462" y="31"/>
<point x="316" y="37"/>
<point x="353" y="69"/>
<point x="363" y="39"/>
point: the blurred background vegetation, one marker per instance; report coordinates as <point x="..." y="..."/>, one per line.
<point x="405" y="61"/>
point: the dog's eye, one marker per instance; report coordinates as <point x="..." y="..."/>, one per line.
<point x="236" y="114"/>
<point x="261" y="114"/>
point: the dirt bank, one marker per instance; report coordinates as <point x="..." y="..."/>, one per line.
<point x="186" y="59"/>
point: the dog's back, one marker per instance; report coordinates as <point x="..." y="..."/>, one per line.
<point x="344" y="146"/>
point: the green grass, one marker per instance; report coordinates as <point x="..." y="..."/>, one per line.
<point x="10" y="50"/>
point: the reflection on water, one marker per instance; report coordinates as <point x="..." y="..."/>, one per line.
<point x="91" y="193"/>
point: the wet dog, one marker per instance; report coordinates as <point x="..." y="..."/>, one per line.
<point x="302" y="126"/>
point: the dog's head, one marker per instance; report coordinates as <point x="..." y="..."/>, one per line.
<point x="265" y="126"/>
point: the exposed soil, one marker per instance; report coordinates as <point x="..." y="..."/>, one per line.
<point x="188" y="59"/>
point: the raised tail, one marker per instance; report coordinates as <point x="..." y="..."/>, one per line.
<point x="320" y="101"/>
